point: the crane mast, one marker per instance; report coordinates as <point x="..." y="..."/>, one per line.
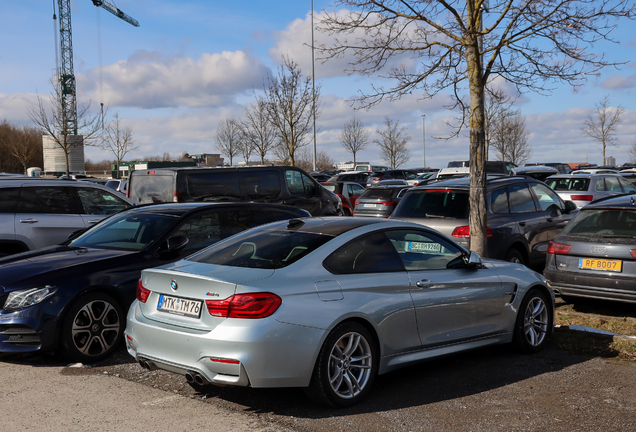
<point x="68" y="89"/>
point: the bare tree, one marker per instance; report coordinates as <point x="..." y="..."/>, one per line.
<point x="228" y="139"/>
<point x="119" y="140"/>
<point x="55" y="123"/>
<point x="632" y="152"/>
<point x="393" y="143"/>
<point x="602" y="125"/>
<point x="354" y="137"/>
<point x="509" y="137"/>
<point x="459" y="46"/>
<point x="289" y="101"/>
<point x="257" y="130"/>
<point x="21" y="147"/>
<point x="305" y="160"/>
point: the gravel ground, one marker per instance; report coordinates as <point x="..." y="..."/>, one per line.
<point x="493" y="389"/>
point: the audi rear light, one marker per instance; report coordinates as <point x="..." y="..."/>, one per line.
<point x="633" y="252"/>
<point x="251" y="305"/>
<point x="151" y="172"/>
<point x="561" y="249"/>
<point x="387" y="203"/>
<point x="142" y="292"/>
<point x="357" y="203"/>
<point x="582" y="197"/>
<point x="464" y="232"/>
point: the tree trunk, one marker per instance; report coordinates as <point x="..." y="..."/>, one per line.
<point x="478" y="217"/>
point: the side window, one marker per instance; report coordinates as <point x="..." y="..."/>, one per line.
<point x="295" y="182"/>
<point x="97" y="201"/>
<point x="235" y="221"/>
<point x="600" y="185"/>
<point x="9" y="199"/>
<point x="53" y="200"/>
<point x="356" y="189"/>
<point x="548" y="200"/>
<point x="201" y="230"/>
<point x="309" y="186"/>
<point x="499" y="201"/>
<point x="369" y="254"/>
<point x="420" y="250"/>
<point x="627" y="186"/>
<point x="521" y="199"/>
<point x="259" y="184"/>
<point x="612" y="184"/>
<point x="203" y="186"/>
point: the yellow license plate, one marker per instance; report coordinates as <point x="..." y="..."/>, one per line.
<point x="601" y="264"/>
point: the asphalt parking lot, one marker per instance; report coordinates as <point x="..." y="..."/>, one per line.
<point x="492" y="389"/>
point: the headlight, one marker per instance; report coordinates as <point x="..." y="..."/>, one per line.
<point x="28" y="297"/>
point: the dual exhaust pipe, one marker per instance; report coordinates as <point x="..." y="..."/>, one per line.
<point x="196" y="378"/>
<point x="191" y="376"/>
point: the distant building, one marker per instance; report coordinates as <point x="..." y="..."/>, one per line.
<point x="55" y="159"/>
<point x="611" y="161"/>
<point x="207" y="159"/>
<point x="125" y="168"/>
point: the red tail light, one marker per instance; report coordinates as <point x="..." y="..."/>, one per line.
<point x="633" y="251"/>
<point x="387" y="203"/>
<point x="561" y="249"/>
<point x="252" y="305"/>
<point x="142" y="292"/>
<point x="582" y="197"/>
<point x="357" y="203"/>
<point x="176" y="196"/>
<point x="464" y="232"/>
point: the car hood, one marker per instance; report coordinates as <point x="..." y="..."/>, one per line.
<point x="57" y="258"/>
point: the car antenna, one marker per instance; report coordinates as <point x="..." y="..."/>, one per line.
<point x="295" y="223"/>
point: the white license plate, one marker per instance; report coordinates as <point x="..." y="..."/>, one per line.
<point x="369" y="205"/>
<point x="424" y="247"/>
<point x="179" y="306"/>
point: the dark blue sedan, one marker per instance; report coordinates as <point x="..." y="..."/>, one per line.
<point x="73" y="298"/>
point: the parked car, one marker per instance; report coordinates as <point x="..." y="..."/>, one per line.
<point x="35" y="212"/>
<point x="563" y="168"/>
<point x="72" y="177"/>
<point x="72" y="298"/>
<point x="271" y="184"/>
<point x="359" y="177"/>
<point x="396" y="174"/>
<point x="120" y="185"/>
<point x="320" y="176"/>
<point x="348" y="192"/>
<point x="371" y="168"/>
<point x="582" y="189"/>
<point x="628" y="174"/>
<point x="594" y="171"/>
<point x="523" y="214"/>
<point x="379" y="201"/>
<point x="539" y="172"/>
<point x="496" y="167"/>
<point x="327" y="304"/>
<point x="595" y="255"/>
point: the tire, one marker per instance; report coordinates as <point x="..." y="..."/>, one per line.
<point x="346" y="212"/>
<point x="346" y="367"/>
<point x="534" y="322"/>
<point x="513" y="255"/>
<point x="92" y="329"/>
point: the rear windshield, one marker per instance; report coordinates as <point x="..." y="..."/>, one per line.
<point x="262" y="249"/>
<point x="603" y="223"/>
<point x="568" y="184"/>
<point x="434" y="203"/>
<point x="378" y="194"/>
<point x="152" y="188"/>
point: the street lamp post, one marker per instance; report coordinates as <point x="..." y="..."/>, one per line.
<point x="424" y="137"/>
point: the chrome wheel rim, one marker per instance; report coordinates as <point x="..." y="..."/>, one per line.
<point x="95" y="328"/>
<point x="535" y="322"/>
<point x="350" y="365"/>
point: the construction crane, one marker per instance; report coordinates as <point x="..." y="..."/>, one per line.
<point x="68" y="88"/>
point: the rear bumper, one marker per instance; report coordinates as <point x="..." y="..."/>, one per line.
<point x="256" y="353"/>
<point x="590" y="286"/>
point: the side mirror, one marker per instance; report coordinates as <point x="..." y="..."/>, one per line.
<point x="569" y="206"/>
<point x="474" y="260"/>
<point x="175" y="244"/>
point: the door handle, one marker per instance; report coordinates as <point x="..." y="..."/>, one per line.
<point x="29" y="221"/>
<point x="424" y="283"/>
<point x="93" y="221"/>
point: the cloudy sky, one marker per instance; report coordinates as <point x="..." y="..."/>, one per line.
<point x="191" y="64"/>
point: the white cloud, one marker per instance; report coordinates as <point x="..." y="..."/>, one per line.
<point x="151" y="80"/>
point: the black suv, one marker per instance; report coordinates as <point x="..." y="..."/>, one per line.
<point x="523" y="214"/>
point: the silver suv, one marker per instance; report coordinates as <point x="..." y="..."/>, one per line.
<point x="35" y="213"/>
<point x="523" y="214"/>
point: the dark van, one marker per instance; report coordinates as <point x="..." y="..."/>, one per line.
<point x="271" y="184"/>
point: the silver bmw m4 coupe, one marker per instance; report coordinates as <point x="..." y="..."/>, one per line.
<point x="329" y="303"/>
